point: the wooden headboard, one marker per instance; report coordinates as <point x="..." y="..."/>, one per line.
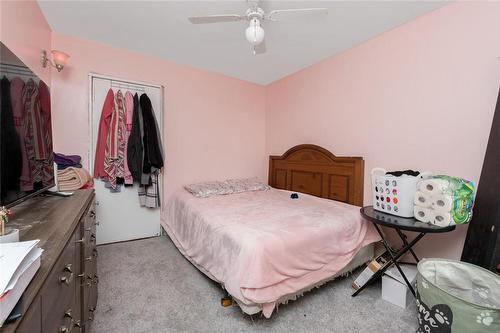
<point x="314" y="170"/>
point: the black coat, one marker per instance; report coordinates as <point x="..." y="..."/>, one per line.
<point x="151" y="143"/>
<point x="134" y="146"/>
<point x="10" y="146"/>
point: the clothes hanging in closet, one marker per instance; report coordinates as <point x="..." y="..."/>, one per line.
<point x="114" y="151"/>
<point x="38" y="139"/>
<point x="10" y="149"/>
<point x="129" y="109"/>
<point x="16" y="96"/>
<point x="102" y="136"/>
<point x="129" y="147"/>
<point x="134" y="147"/>
<point x="26" y="134"/>
<point x="47" y="162"/>
<point x="151" y="143"/>
<point x="149" y="195"/>
<point x="152" y="156"/>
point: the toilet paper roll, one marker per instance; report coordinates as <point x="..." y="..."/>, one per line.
<point x="422" y="199"/>
<point x="423" y="214"/>
<point x="433" y="186"/>
<point x="442" y="219"/>
<point x="442" y="202"/>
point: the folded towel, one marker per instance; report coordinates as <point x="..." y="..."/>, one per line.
<point x="71" y="178"/>
<point x="65" y="161"/>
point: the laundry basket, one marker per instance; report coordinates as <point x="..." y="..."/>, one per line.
<point x="454" y="296"/>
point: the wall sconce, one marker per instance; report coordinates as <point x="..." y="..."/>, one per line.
<point x="59" y="59"/>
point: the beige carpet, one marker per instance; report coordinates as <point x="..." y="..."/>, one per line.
<point x="148" y="286"/>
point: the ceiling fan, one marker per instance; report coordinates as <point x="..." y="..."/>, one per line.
<point x="256" y="16"/>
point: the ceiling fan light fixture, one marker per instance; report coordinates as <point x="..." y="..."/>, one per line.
<point x="255" y="15"/>
<point x="254" y="33"/>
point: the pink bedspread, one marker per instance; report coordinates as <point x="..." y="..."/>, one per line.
<point x="263" y="245"/>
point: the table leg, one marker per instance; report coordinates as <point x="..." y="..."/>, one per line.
<point x="393" y="260"/>
<point x="403" y="238"/>
<point x="406" y="248"/>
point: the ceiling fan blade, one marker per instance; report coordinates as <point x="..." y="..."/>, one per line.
<point x="260" y="49"/>
<point x="216" y="18"/>
<point x="290" y="14"/>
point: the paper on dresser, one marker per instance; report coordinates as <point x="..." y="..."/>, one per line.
<point x="32" y="256"/>
<point x="14" y="259"/>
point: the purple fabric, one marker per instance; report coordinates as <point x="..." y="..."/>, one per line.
<point x="64" y="161"/>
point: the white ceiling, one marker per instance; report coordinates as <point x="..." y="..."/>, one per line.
<point x="161" y="28"/>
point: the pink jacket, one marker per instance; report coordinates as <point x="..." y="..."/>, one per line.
<point x="104" y="123"/>
<point x="129" y="109"/>
<point x="114" y="151"/>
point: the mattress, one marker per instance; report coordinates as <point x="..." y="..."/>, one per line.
<point x="264" y="247"/>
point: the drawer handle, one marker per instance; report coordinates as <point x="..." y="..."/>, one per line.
<point x="81" y="275"/>
<point x="68" y="313"/>
<point x="88" y="258"/>
<point x="78" y="324"/>
<point x="64" y="329"/>
<point x="88" y="229"/>
<point x="67" y="279"/>
<point x="91" y="313"/>
<point x="67" y="268"/>
<point x="80" y="240"/>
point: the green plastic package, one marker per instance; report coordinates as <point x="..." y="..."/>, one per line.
<point x="462" y="193"/>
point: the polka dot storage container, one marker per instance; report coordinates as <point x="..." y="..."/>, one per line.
<point x="394" y="194"/>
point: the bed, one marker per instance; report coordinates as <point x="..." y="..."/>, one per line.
<point x="266" y="248"/>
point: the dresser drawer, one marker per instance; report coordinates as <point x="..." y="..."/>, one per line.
<point x="59" y="291"/>
<point x="32" y="320"/>
<point x="90" y="218"/>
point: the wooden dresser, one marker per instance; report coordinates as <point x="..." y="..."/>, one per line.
<point x="63" y="294"/>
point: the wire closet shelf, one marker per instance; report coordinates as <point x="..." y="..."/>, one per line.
<point x="6" y="68"/>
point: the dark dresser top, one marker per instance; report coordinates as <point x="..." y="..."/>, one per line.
<point x="52" y="220"/>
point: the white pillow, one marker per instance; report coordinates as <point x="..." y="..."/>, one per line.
<point x="246" y="185"/>
<point x="206" y="189"/>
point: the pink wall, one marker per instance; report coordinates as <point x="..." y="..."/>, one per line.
<point x="24" y="30"/>
<point x="421" y="96"/>
<point x="213" y="125"/>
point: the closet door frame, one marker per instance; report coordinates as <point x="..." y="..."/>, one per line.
<point x="91" y="149"/>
